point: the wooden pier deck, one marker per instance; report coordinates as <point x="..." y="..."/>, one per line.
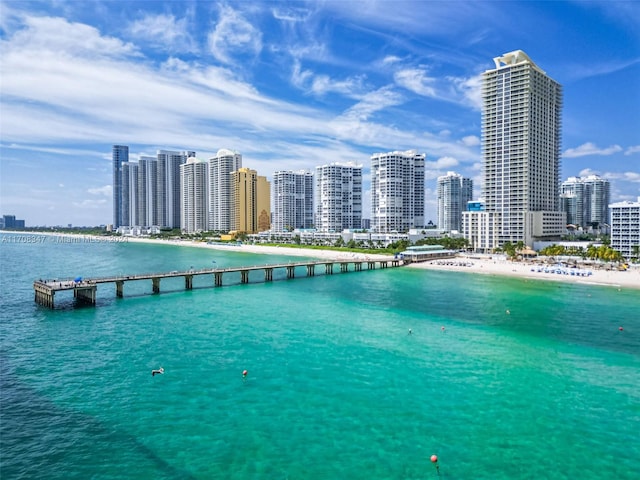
<point x="85" y="289"/>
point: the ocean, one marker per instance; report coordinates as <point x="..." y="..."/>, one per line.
<point x="336" y="387"/>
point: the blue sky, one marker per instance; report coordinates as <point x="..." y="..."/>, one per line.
<point x="293" y="85"/>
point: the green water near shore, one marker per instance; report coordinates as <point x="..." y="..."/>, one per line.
<point x="336" y="388"/>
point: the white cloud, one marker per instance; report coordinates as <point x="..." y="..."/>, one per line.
<point x="106" y="191"/>
<point x="470" y="141"/>
<point x="93" y="204"/>
<point x="57" y="35"/>
<point x="290" y="14"/>
<point x="163" y="31"/>
<point x="633" y="177"/>
<point x="390" y="59"/>
<point x="632" y="150"/>
<point x="446" y="162"/>
<point x="585" y="172"/>
<point x="590" y="149"/>
<point x="470" y="89"/>
<point x="233" y="34"/>
<point x="374" y="101"/>
<point x="415" y="80"/>
<point x="321" y="84"/>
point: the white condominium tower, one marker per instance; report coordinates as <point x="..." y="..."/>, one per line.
<point x="194" y="193"/>
<point x="397" y="191"/>
<point x="338" y="197"/>
<point x="168" y="189"/>
<point x="521" y="120"/>
<point x="454" y="191"/>
<point x="292" y="200"/>
<point x="220" y="168"/>
<point x="585" y="200"/>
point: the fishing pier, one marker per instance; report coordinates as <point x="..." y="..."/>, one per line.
<point x="85" y="289"/>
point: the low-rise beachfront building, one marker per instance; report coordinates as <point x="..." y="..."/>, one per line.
<point x="625" y="227"/>
<point x="424" y="253"/>
<point x="365" y="239"/>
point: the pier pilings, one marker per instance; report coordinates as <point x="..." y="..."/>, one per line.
<point x="85" y="290"/>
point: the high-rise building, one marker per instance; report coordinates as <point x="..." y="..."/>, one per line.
<point x="454" y="192"/>
<point x="625" y="228"/>
<point x="397" y="191"/>
<point x="129" y="185"/>
<point x="585" y="200"/>
<point x="521" y="125"/>
<point x="338" y="197"/>
<point x="147" y="191"/>
<point x="597" y="192"/>
<point x="168" y="189"/>
<point x="292" y="200"/>
<point x="220" y="207"/>
<point x="194" y="193"/>
<point x="120" y="155"/>
<point x="572" y="200"/>
<point x="251" y="212"/>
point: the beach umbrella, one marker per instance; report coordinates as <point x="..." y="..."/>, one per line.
<point x="77" y="279"/>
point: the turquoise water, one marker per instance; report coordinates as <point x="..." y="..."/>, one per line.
<point x="336" y="389"/>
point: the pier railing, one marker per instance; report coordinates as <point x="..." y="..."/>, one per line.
<point x="85" y="289"/>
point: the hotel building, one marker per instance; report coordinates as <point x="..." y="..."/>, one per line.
<point x="397" y="191"/>
<point x="454" y="192"/>
<point x="251" y="211"/>
<point x="220" y="192"/>
<point x="625" y="227"/>
<point x="521" y="124"/>
<point x="338" y="197"/>
<point x="292" y="200"/>
<point x="194" y="194"/>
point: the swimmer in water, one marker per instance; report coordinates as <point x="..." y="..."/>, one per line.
<point x="158" y="371"/>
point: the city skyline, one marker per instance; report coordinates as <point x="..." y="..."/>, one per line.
<point x="295" y="85"/>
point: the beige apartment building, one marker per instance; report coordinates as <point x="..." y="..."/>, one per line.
<point x="251" y="201"/>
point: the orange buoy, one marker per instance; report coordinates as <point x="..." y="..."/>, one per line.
<point x="434" y="458"/>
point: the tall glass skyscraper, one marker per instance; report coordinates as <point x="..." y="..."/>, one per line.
<point x="120" y="155"/>
<point x="521" y="141"/>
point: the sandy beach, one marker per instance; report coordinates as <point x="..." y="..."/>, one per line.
<point x="485" y="266"/>
<point x="472" y="264"/>
<point x="614" y="278"/>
